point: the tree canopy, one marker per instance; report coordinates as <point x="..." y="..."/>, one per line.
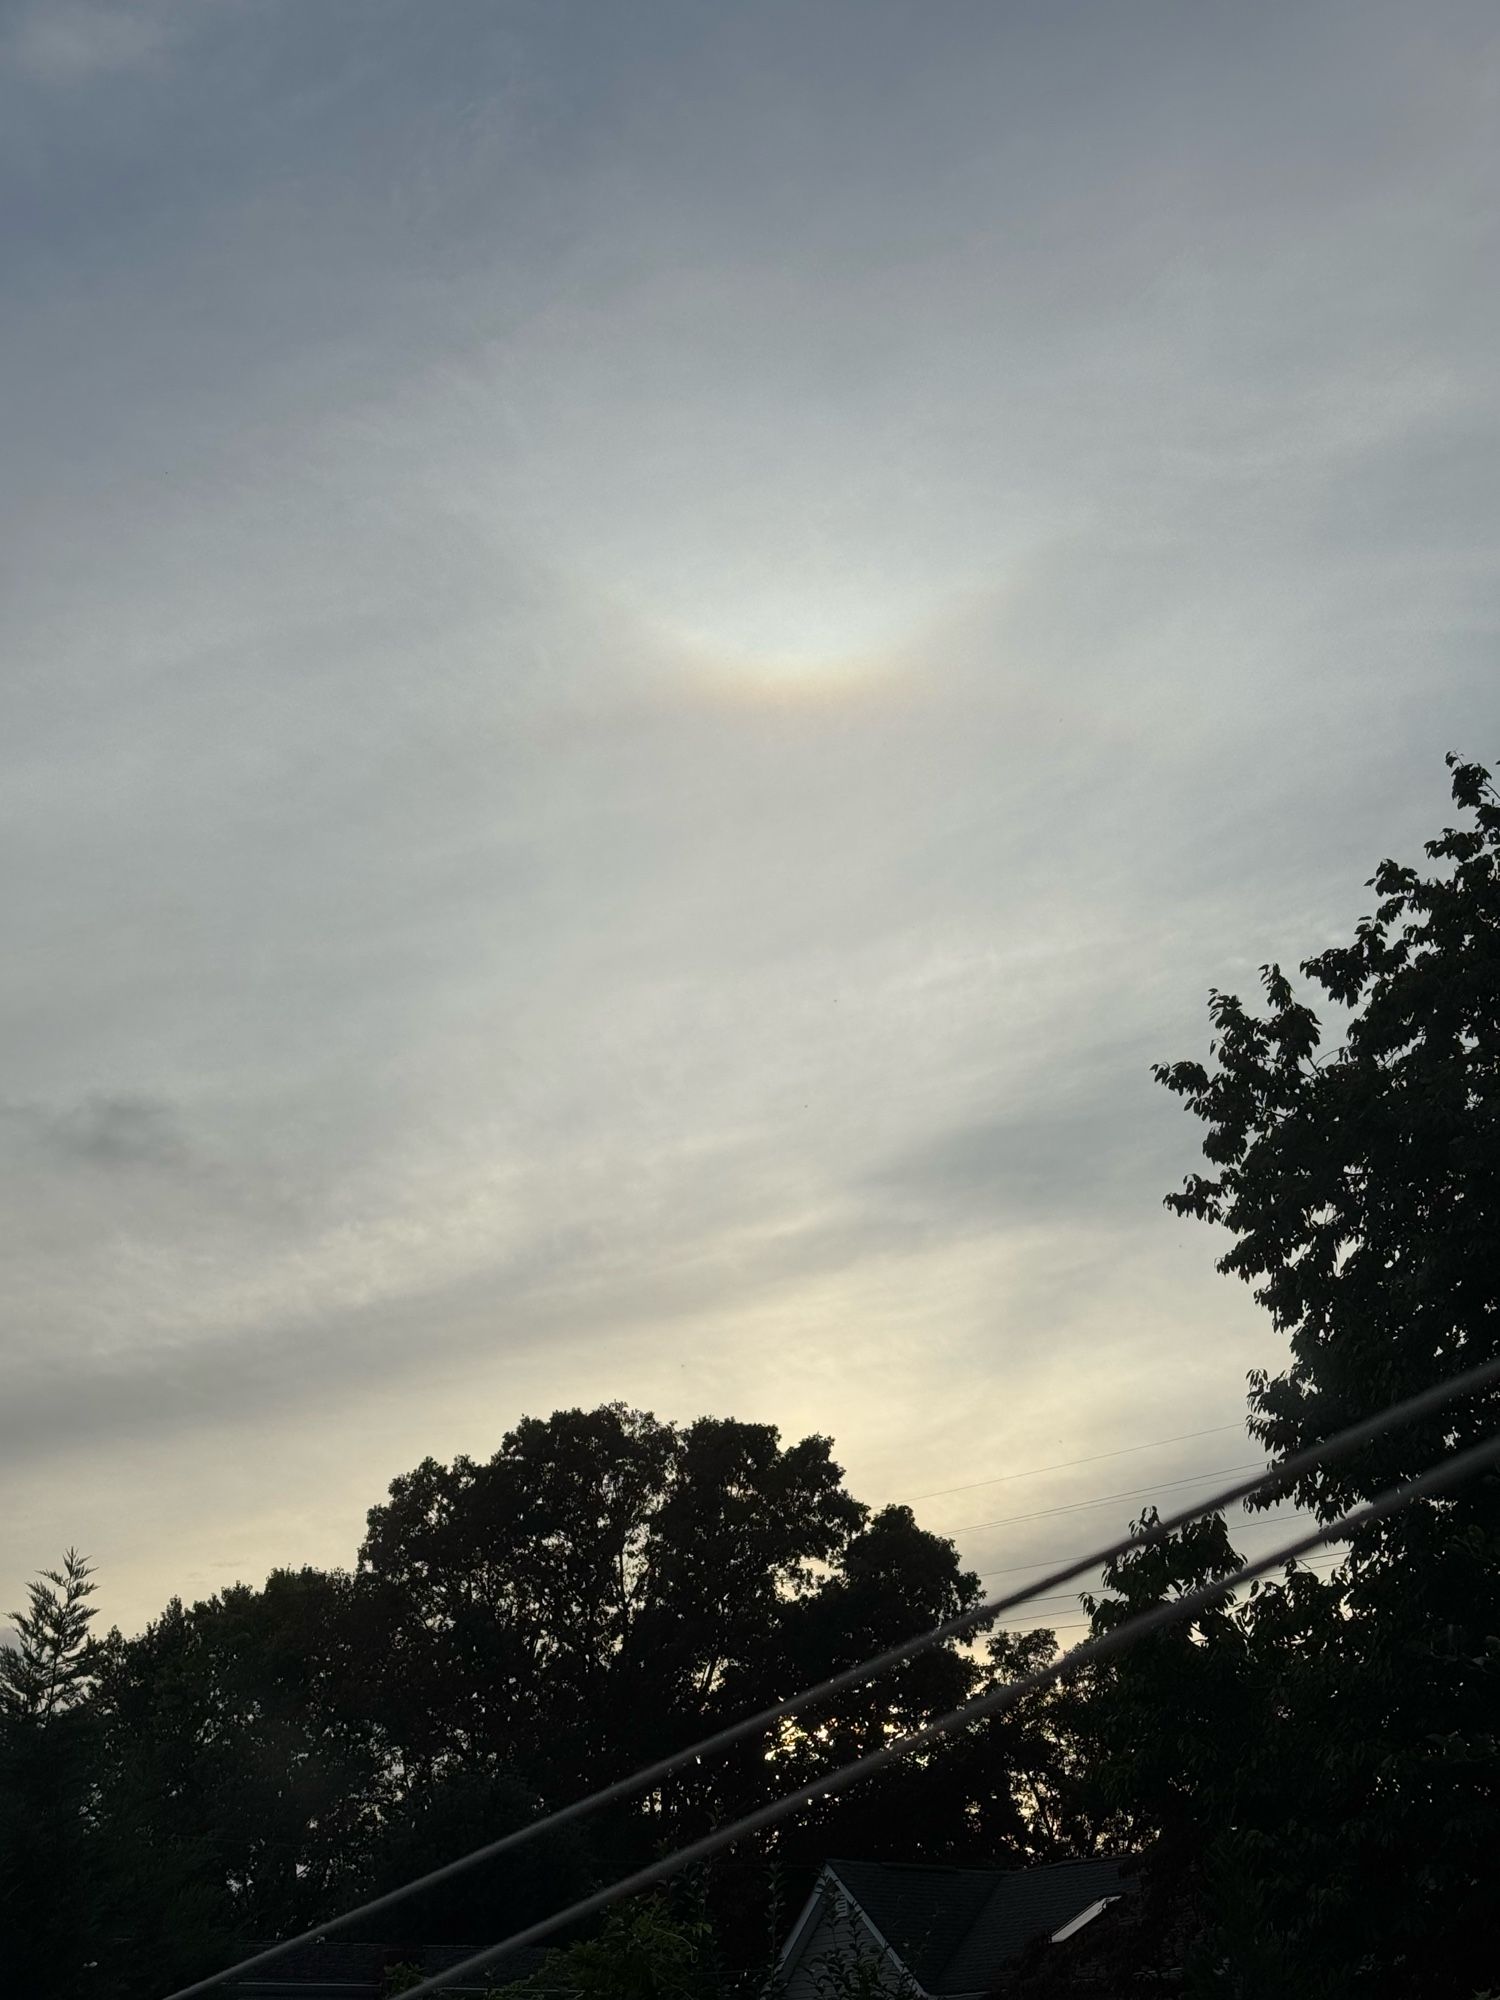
<point x="514" y="1633"/>
<point x="1323" y="1762"/>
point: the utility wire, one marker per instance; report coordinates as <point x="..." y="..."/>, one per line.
<point x="1021" y="1631"/>
<point x="1127" y="1493"/>
<point x="1071" y="1596"/>
<point x="1067" y="1464"/>
<point x="1239" y="1528"/>
<point x="1448" y="1472"/>
<point x="1259" y="1527"/>
<point x="1423" y="1404"/>
<point x="1319" y="1563"/>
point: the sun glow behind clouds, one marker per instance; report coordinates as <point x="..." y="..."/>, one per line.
<point x="815" y="635"/>
<point x="775" y="674"/>
<point x="815" y="641"/>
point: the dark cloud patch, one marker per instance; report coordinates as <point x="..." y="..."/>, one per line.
<point x="121" y="1131"/>
<point x="107" y="1130"/>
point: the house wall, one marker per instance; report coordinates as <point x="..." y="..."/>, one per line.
<point x="839" y="1927"/>
<point x="799" y="1981"/>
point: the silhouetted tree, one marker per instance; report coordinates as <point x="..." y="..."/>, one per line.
<point x="608" y="1586"/>
<point x="46" y="1672"/>
<point x="520" y="1631"/>
<point x="645" y="1950"/>
<point x="1330" y="1756"/>
<point x="234" y="1739"/>
<point x="47" y="1756"/>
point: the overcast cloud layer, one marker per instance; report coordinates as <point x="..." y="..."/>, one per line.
<point x="651" y="651"/>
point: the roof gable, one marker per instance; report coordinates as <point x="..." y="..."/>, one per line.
<point x="956" y="1929"/>
<point x="923" y="1913"/>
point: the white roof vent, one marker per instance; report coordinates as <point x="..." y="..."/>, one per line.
<point x="1084" y="1917"/>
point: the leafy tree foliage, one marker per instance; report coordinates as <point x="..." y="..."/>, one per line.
<point x="1324" y="1763"/>
<point x="234" y="1751"/>
<point x="516" y="1632"/>
<point x="46" y="1757"/>
<point x="604" y="1578"/>
<point x="1362" y="1187"/>
<point x="848" y="1964"/>
<point x="645" y="1951"/>
<point x="46" y="1672"/>
<point x="608" y="1586"/>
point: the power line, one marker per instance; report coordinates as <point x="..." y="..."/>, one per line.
<point x="1339" y="1446"/>
<point x="1020" y="1631"/>
<point x="1160" y="1618"/>
<point x="1179" y="1520"/>
<point x="1086" y="1624"/>
<point x="1259" y="1527"/>
<point x="1067" y="1464"/>
<point x="1127" y="1493"/>
<point x="1071" y="1596"/>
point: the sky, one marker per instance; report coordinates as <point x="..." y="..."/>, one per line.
<point x="650" y="653"/>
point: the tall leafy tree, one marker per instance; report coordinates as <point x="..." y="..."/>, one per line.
<point x="519" y="1631"/>
<point x="1361" y="1187"/>
<point x="608" y="1586"/>
<point x="47" y="1754"/>
<point x="46" y="1672"/>
<point x="1362" y="1184"/>
<point x="234" y="1739"/>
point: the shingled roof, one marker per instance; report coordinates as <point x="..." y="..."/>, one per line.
<point x="956" y="1929"/>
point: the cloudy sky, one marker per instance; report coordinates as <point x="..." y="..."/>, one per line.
<point x="650" y="653"/>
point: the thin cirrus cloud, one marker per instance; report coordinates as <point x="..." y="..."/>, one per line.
<point x="649" y="659"/>
<point x="63" y="44"/>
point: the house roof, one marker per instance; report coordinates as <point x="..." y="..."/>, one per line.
<point x="1030" y="1904"/>
<point x="923" y="1913"/>
<point x="955" y="1929"/>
